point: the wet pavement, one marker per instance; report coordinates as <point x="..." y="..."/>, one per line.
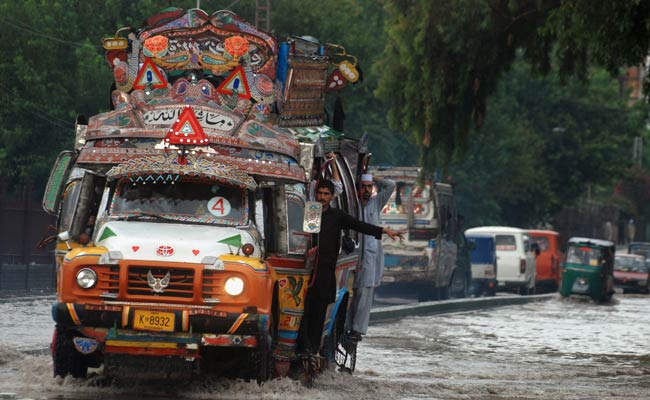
<point x="557" y="349"/>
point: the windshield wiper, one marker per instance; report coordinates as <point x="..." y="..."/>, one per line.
<point x="144" y="215"/>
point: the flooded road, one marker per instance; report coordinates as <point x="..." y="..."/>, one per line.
<point x="557" y="349"/>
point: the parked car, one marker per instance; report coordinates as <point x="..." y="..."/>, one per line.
<point x="548" y="261"/>
<point x="631" y="273"/>
<point x="484" y="264"/>
<point x="515" y="257"/>
<point x="642" y="249"/>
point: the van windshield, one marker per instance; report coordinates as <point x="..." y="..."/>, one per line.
<point x="183" y="201"/>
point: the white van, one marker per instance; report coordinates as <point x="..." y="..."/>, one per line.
<point x="515" y="257"/>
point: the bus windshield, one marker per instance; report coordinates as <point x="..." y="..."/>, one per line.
<point x="183" y="201"/>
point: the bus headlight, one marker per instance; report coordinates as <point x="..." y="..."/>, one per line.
<point x="86" y="278"/>
<point x="234" y="286"/>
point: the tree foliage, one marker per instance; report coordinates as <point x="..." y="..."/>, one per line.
<point x="430" y="67"/>
<point x="545" y="145"/>
<point x="53" y="68"/>
<point x="358" y="26"/>
<point x="444" y="58"/>
<point x="633" y="192"/>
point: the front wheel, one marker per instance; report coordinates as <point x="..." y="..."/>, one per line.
<point x="65" y="358"/>
<point x="427" y="293"/>
<point x="608" y="288"/>
<point x="443" y="293"/>
<point x="458" y="286"/>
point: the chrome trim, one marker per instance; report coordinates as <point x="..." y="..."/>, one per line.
<point x="211" y="300"/>
<point x="134" y="303"/>
<point x="293" y="312"/>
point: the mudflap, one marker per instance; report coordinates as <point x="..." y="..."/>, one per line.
<point x="346" y="353"/>
<point x="310" y="366"/>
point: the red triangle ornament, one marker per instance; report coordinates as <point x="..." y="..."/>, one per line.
<point x="236" y="83"/>
<point x="187" y="130"/>
<point x="336" y="81"/>
<point x="149" y="74"/>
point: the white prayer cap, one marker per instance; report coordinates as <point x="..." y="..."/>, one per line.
<point x="366" y="178"/>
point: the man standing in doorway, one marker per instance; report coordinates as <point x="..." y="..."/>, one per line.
<point x="372" y="266"/>
<point x="322" y="290"/>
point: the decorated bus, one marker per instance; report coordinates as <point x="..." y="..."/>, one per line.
<point x="428" y="261"/>
<point x="183" y="212"/>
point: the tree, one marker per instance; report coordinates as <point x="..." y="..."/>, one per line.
<point x="543" y="145"/>
<point x="444" y="58"/>
<point x="53" y="68"/>
<point x="358" y="26"/>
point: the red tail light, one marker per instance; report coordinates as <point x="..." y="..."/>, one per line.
<point x="522" y="266"/>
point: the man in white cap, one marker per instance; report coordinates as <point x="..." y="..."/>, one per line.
<point x="368" y="277"/>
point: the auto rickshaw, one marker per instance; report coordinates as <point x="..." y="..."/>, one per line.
<point x="588" y="269"/>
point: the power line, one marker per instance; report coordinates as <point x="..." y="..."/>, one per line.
<point x="42" y="111"/>
<point x="27" y="28"/>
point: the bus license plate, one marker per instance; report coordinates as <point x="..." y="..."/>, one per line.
<point x="153" y="320"/>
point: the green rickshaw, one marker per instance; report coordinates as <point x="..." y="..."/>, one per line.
<point x="588" y="269"/>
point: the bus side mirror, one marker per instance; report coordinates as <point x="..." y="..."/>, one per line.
<point x="312" y="217"/>
<point x="65" y="237"/>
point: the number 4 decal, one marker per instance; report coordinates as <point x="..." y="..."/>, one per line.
<point x="219" y="206"/>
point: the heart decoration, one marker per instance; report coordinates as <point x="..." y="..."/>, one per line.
<point x="195" y="251"/>
<point x="135" y="248"/>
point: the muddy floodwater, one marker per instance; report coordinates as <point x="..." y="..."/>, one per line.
<point x="556" y="349"/>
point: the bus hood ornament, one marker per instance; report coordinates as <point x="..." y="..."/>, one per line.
<point x="158" y="285"/>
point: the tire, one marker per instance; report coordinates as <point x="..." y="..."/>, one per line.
<point x="458" y="286"/>
<point x="263" y="361"/>
<point x="261" y="358"/>
<point x="265" y="367"/>
<point x="443" y="293"/>
<point x="427" y="293"/>
<point x="65" y="358"/>
<point x="608" y="289"/>
<point x="332" y="341"/>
